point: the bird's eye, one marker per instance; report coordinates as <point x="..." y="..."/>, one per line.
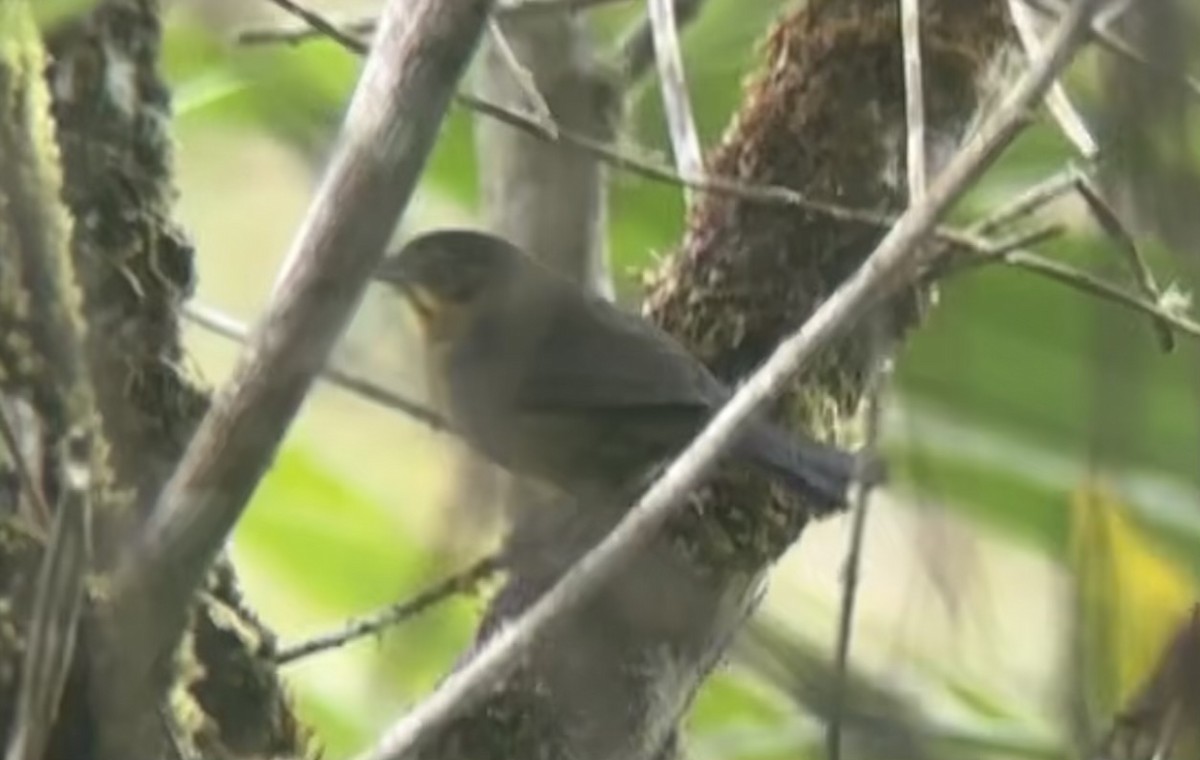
<point x="463" y="283"/>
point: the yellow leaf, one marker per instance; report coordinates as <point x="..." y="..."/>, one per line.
<point x="1131" y="597"/>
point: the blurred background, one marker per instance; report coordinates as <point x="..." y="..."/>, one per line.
<point x="1039" y="542"/>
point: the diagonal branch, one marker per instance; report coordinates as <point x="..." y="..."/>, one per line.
<point x="889" y="268"/>
<point x="672" y="83"/>
<point x="419" y="52"/>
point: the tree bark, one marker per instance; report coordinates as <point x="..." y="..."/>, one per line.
<point x="134" y="266"/>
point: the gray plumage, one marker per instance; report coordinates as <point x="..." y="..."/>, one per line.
<point x="567" y="388"/>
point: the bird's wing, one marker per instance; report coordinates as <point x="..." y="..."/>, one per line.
<point x="600" y="357"/>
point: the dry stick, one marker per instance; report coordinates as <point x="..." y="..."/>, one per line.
<point x="227" y="327"/>
<point x="1028" y="200"/>
<point x="1089" y="283"/>
<point x="524" y="79"/>
<point x="637" y="48"/>
<point x="971" y="241"/>
<point x="1117" y="44"/>
<point x="58" y="600"/>
<point x="984" y="250"/>
<point x="672" y="83"/>
<point x="876" y="387"/>
<point x="24" y="472"/>
<point x="420" y="50"/>
<point x="647" y="169"/>
<point x="917" y="165"/>
<point x="320" y="25"/>
<point x="1064" y="113"/>
<point x="1142" y="276"/>
<point x="889" y="268"/>
<point x="459" y="583"/>
<point x="364" y="26"/>
<point x="914" y="99"/>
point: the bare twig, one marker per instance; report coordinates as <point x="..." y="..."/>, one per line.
<point x="916" y="161"/>
<point x="1107" y="217"/>
<point x="877" y="386"/>
<point x="534" y="7"/>
<point x="1092" y="285"/>
<point x="914" y="98"/>
<point x="459" y="583"/>
<point x="1064" y="113"/>
<point x="58" y="601"/>
<point x="655" y="171"/>
<point x="364" y="26"/>
<point x="273" y="35"/>
<point x="227" y="327"/>
<point x="971" y="241"/>
<point x="347" y="37"/>
<point x="637" y="50"/>
<point x="889" y="268"/>
<point x="524" y="79"/>
<point x="24" y="472"/>
<point x="1120" y="46"/>
<point x="1028" y="201"/>
<point x="677" y="104"/>
<point x="420" y="50"/>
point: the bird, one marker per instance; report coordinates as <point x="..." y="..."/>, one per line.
<point x="562" y="386"/>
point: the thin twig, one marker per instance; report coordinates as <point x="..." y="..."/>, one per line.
<point x="459" y="583"/>
<point x="637" y="48"/>
<point x="916" y="161"/>
<point x="524" y="79"/>
<point x="672" y="83"/>
<point x="24" y="473"/>
<point x="889" y="268"/>
<point x="1029" y="200"/>
<point x="274" y="35"/>
<point x="876" y="388"/>
<point x="363" y="27"/>
<point x="1143" y="277"/>
<point x="914" y="98"/>
<point x="1064" y="113"/>
<point x="420" y="50"/>
<point x="658" y="172"/>
<point x="58" y="600"/>
<point x="1120" y="46"/>
<point x="1092" y="285"/>
<point x="970" y="241"/>
<point x="347" y="37"/>
<point x="226" y="326"/>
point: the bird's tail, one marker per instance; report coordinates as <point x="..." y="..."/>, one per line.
<point x="818" y="472"/>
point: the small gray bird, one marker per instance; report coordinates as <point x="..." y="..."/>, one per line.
<point x="552" y="383"/>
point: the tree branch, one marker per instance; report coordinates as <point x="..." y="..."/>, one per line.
<point x="419" y="53"/>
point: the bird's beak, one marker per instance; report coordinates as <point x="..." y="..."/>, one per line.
<point x="427" y="306"/>
<point x="391" y="275"/>
<point x="436" y="317"/>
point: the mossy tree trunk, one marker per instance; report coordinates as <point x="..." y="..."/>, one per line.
<point x="133" y="266"/>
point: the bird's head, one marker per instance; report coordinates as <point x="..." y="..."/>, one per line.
<point x="448" y="275"/>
